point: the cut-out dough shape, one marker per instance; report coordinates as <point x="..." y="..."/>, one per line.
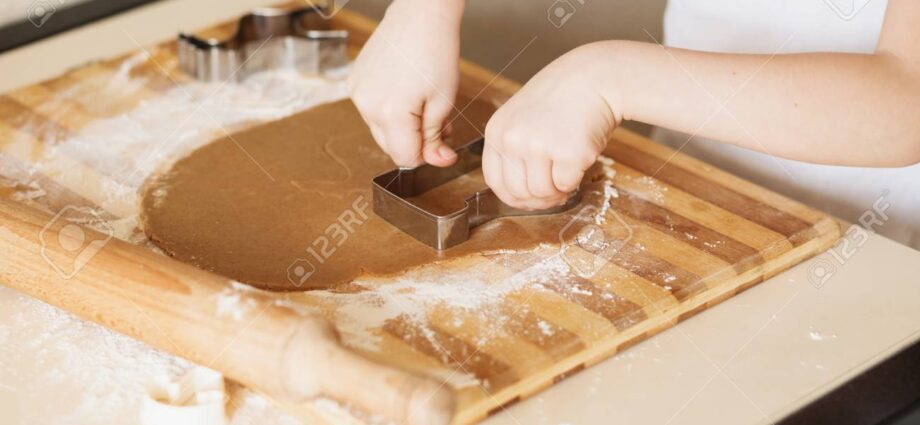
<point x="195" y="399"/>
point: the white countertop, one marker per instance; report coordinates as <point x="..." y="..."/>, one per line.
<point x="752" y="359"/>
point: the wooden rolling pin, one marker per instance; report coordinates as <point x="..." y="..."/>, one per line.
<point x="174" y="306"/>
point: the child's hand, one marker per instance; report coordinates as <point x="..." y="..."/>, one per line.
<point x="405" y="80"/>
<point x="540" y="143"/>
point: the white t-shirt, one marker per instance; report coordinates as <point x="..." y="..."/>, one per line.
<point x="788" y="26"/>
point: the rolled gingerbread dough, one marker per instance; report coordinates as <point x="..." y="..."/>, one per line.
<point x="287" y="205"/>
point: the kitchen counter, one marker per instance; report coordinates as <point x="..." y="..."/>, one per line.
<point x="752" y="359"/>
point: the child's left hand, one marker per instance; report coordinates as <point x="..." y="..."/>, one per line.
<point x="540" y="143"/>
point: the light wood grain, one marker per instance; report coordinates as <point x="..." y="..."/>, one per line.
<point x="700" y="237"/>
<point x="176" y="307"/>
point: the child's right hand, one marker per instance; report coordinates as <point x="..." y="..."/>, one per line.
<point x="405" y="80"/>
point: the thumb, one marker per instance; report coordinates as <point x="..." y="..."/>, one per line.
<point x="434" y="150"/>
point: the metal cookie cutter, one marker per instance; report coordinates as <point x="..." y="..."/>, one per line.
<point x="266" y="38"/>
<point x="393" y="188"/>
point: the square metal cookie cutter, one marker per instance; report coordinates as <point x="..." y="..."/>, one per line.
<point x="266" y="38"/>
<point x="393" y="188"/>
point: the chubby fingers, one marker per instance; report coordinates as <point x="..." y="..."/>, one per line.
<point x="434" y="123"/>
<point x="403" y="140"/>
<point x="566" y="176"/>
<point x="492" y="172"/>
<point x="378" y="135"/>
<point x="506" y="180"/>
<point x="394" y="122"/>
<point x="529" y="182"/>
<point x="532" y="171"/>
<point x="540" y="182"/>
<point x="410" y="135"/>
<point x="526" y="184"/>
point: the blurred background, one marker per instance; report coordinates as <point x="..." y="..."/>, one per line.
<point x="518" y="37"/>
<point x="513" y="37"/>
<point x="494" y="32"/>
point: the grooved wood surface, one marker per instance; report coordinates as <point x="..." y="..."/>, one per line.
<point x="698" y="236"/>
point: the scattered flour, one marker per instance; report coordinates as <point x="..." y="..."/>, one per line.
<point x="110" y="158"/>
<point x="29" y="192"/>
<point x="713" y="245"/>
<point x="92" y="373"/>
<point x="413" y="296"/>
<point x="818" y="336"/>
<point x="131" y="146"/>
<point x="48" y="355"/>
<point x="108" y="161"/>
<point x="234" y="304"/>
<point x="610" y="192"/>
<point x="248" y="408"/>
<point x="651" y="189"/>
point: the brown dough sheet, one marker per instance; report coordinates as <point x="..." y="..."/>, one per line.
<point x="253" y="204"/>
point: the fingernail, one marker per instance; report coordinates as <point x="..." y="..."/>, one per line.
<point x="446" y="152"/>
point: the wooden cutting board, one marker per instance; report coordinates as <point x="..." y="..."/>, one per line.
<point x="695" y="236"/>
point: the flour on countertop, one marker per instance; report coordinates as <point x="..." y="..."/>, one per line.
<point x="48" y="354"/>
<point x="249" y="408"/>
<point x="819" y="336"/>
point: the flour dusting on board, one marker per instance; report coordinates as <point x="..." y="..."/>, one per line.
<point x="651" y="189"/>
<point x="99" y="144"/>
<point x="161" y="130"/>
<point x="108" y="159"/>
<point x="465" y="297"/>
<point x="610" y="192"/>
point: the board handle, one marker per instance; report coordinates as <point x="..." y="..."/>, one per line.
<point x="286" y="354"/>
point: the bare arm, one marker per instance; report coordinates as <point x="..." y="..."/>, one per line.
<point x="405" y="80"/>
<point x="829" y="108"/>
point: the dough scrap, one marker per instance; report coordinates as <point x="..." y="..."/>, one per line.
<point x="196" y="398"/>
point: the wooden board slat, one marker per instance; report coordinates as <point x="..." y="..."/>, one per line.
<point x="699" y="236"/>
